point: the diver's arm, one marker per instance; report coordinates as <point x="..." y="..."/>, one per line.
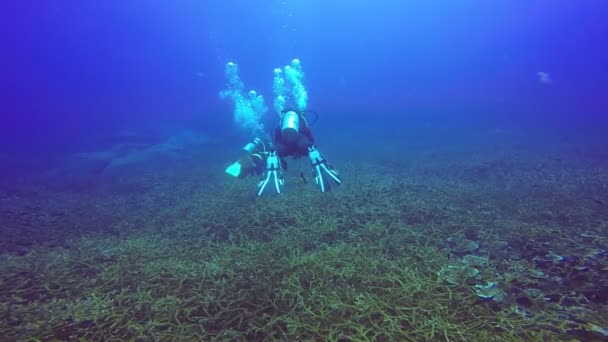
<point x="306" y="131"/>
<point x="308" y="134"/>
<point x="276" y="136"/>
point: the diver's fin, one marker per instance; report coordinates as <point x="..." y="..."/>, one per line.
<point x="251" y="160"/>
<point x="272" y="180"/>
<point x="325" y="174"/>
<point x="245" y="166"/>
<point x="234" y="169"/>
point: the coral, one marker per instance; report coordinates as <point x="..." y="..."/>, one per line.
<point x="490" y="291"/>
<point x="474" y="260"/>
<point x="198" y="257"/>
<point x="460" y="245"/>
<point x="457" y="274"/>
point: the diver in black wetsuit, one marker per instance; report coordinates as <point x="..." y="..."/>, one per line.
<point x="292" y="137"/>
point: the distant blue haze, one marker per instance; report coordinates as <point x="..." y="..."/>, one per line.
<point x="73" y="73"/>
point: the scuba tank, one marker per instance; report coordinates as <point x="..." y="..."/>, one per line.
<point x="250" y="159"/>
<point x="252" y="147"/>
<point x="290" y="125"/>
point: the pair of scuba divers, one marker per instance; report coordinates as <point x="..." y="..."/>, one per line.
<point x="291" y="138"/>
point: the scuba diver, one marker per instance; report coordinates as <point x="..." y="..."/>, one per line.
<point x="292" y="137"/>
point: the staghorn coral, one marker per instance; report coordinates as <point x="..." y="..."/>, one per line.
<point x="208" y="262"/>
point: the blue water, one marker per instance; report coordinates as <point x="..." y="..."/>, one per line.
<point x="73" y="74"/>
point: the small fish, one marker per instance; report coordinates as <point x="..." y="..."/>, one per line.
<point x="544" y="78"/>
<point x="303" y="178"/>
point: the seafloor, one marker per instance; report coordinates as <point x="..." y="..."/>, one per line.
<point x="500" y="236"/>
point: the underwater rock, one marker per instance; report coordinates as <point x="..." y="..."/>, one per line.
<point x="87" y="164"/>
<point x="490" y="291"/>
<point x="135" y="157"/>
<point x="457" y="274"/>
<point x="135" y="137"/>
<point x="79" y="171"/>
<point x="460" y="245"/>
<point x="159" y="152"/>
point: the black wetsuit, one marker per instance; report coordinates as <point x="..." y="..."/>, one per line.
<point x="296" y="148"/>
